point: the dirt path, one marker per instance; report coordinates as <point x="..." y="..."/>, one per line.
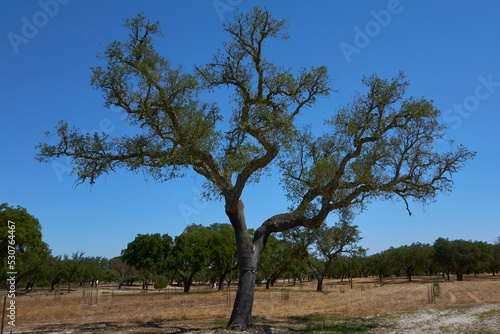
<point x="453" y="297"/>
<point x="476" y="319"/>
<point x="469" y="294"/>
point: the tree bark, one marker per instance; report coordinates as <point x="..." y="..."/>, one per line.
<point x="319" y="287"/>
<point x="187" y="286"/>
<point x="241" y="317"/>
<point x="460" y="273"/>
<point x="222" y="278"/>
<point x="248" y="257"/>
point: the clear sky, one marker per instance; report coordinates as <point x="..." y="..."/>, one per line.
<point x="449" y="50"/>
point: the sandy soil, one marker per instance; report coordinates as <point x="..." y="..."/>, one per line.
<point x="476" y="319"/>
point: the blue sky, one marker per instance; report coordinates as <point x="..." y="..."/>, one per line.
<point x="449" y="51"/>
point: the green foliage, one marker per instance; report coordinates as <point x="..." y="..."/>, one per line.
<point x="160" y="283"/>
<point x="191" y="253"/>
<point x="93" y="269"/>
<point x="382" y="145"/>
<point x="276" y="257"/>
<point x="338" y="328"/>
<point x="71" y="268"/>
<point x="30" y="251"/>
<point x="121" y="271"/>
<point x="224" y="257"/>
<point x="148" y="253"/>
<point x="409" y="258"/>
<point x="494" y="264"/>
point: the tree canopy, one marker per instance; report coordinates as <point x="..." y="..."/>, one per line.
<point x="148" y="253"/>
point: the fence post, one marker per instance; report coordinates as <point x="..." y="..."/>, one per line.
<point x="3" y="313"/>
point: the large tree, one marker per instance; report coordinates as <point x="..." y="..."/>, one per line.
<point x="380" y="145"/>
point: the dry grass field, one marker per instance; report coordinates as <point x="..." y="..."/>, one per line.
<point x="283" y="306"/>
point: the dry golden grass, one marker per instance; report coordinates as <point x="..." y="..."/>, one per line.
<point x="206" y="308"/>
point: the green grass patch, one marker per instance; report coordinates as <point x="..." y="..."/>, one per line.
<point x="334" y="328"/>
<point x="488" y="314"/>
<point x="387" y="316"/>
<point x="221" y="323"/>
<point x="316" y="318"/>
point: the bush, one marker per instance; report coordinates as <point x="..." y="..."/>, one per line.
<point x="160" y="283"/>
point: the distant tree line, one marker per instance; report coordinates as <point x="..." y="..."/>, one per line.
<point x="207" y="255"/>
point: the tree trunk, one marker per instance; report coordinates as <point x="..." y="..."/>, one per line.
<point x="268" y="281"/>
<point x="248" y="258"/>
<point x="221" y="282"/>
<point x="460" y="273"/>
<point x="319" y="287"/>
<point x="187" y="287"/>
<point x="241" y="317"/>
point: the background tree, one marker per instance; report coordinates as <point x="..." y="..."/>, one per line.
<point x="494" y="264"/>
<point x="379" y="265"/>
<point x="362" y="264"/>
<point x="379" y="146"/>
<point x="276" y="257"/>
<point x="32" y="266"/>
<point x="412" y="257"/>
<point x="429" y="263"/>
<point x="483" y="255"/>
<point x="148" y="254"/>
<point x="52" y="270"/>
<point x="190" y="253"/>
<point x="31" y="250"/>
<point x="328" y="242"/>
<point x="463" y="255"/>
<point x="121" y="271"/>
<point x="224" y="257"/>
<point x="443" y="255"/>
<point x="71" y="268"/>
<point x="93" y="269"/>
